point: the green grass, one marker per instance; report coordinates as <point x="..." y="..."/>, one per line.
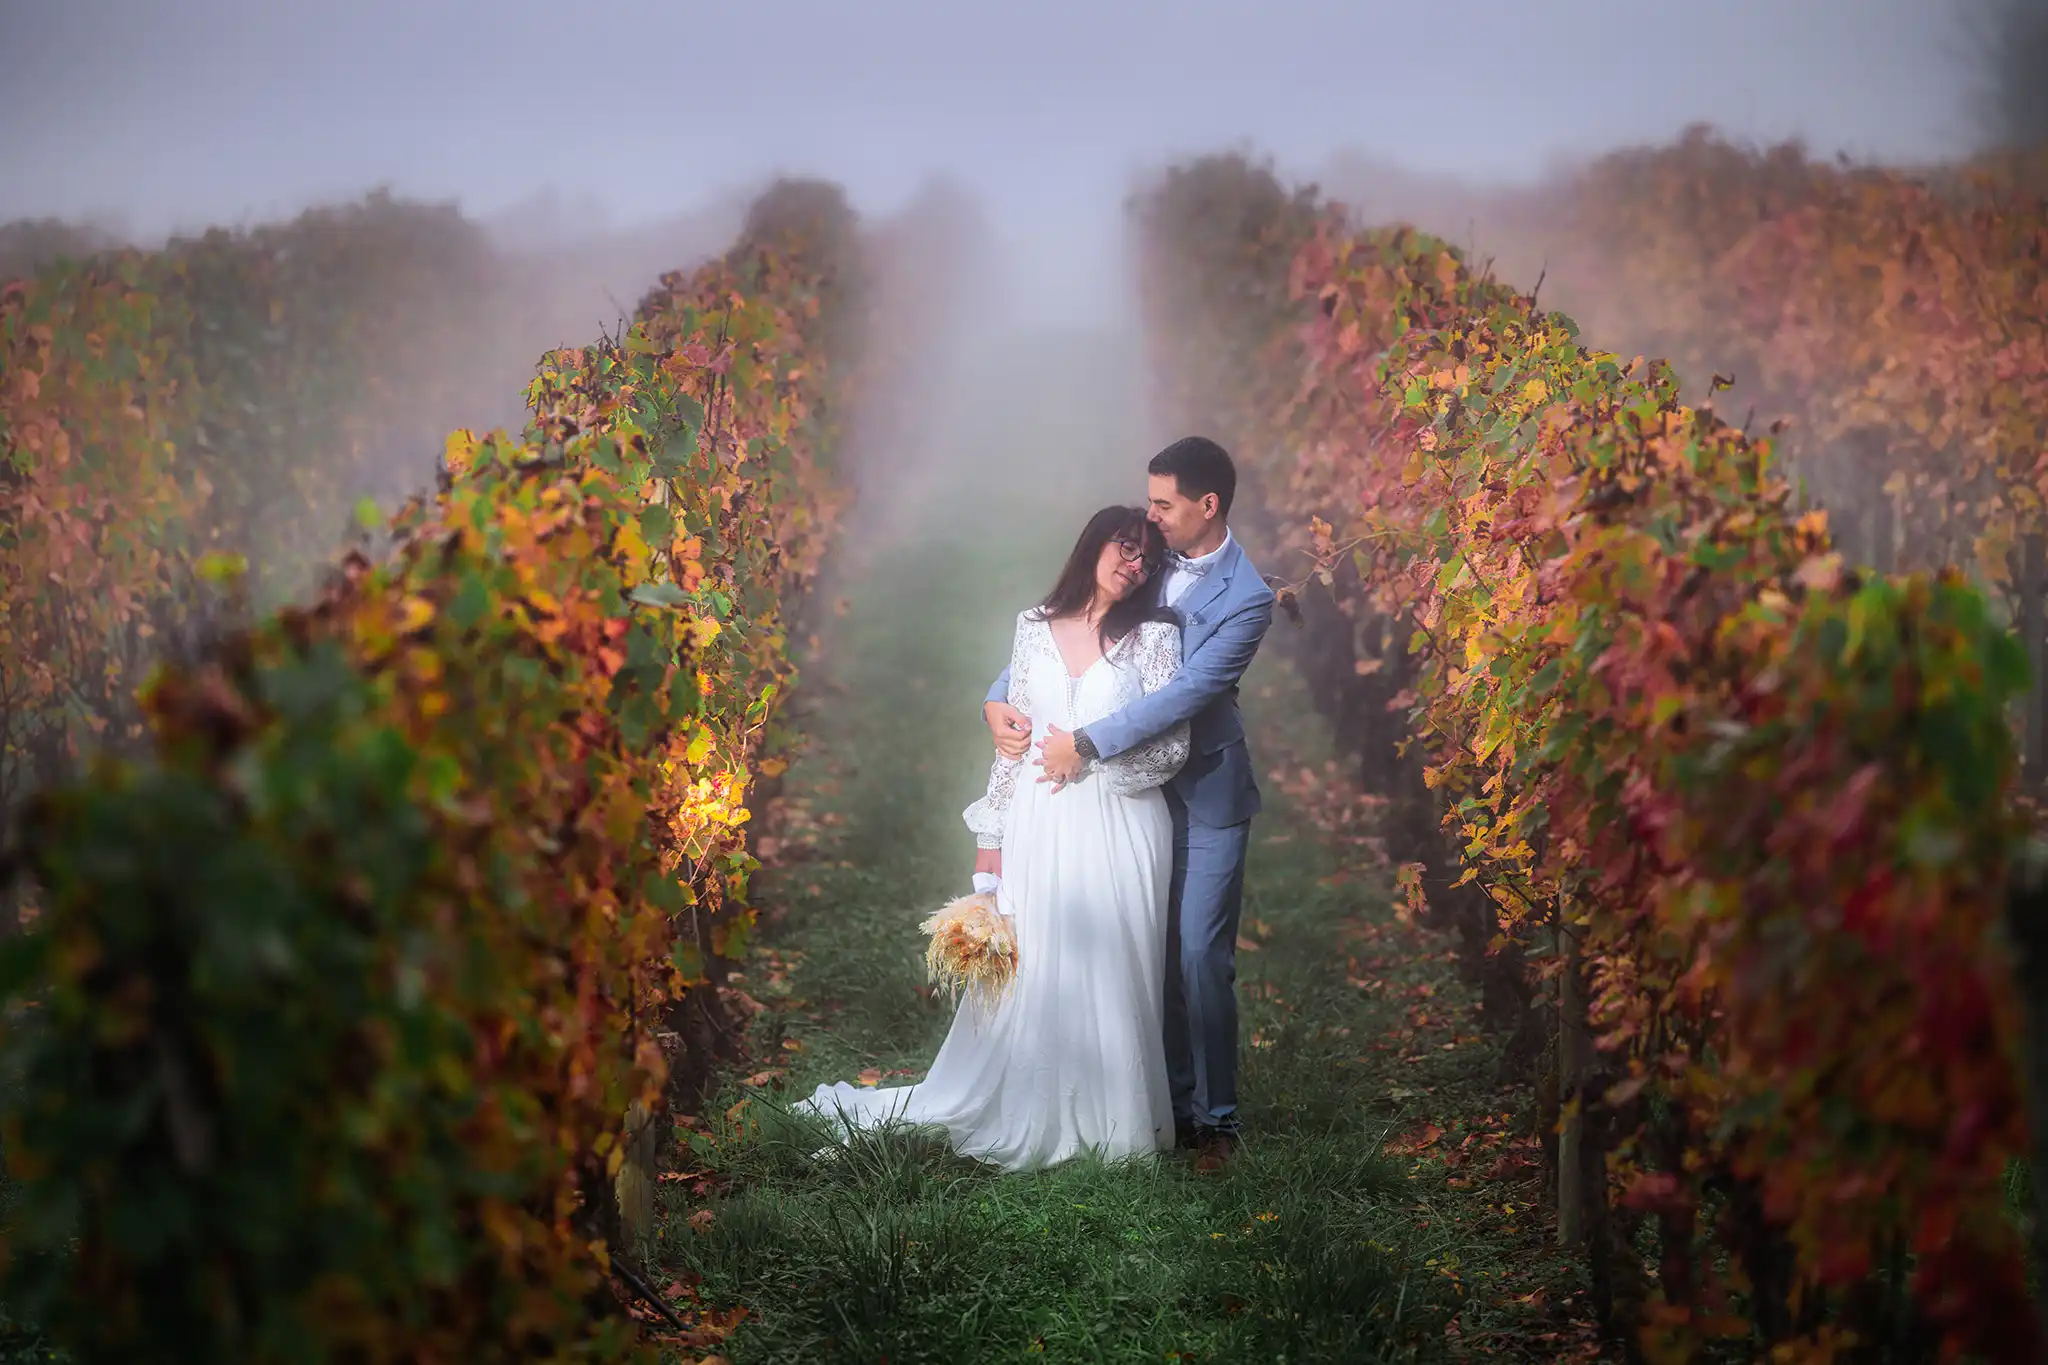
<point x="21" y="1342"/>
<point x="1328" y="1239"/>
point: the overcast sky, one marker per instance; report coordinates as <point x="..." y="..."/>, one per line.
<point x="185" y="112"/>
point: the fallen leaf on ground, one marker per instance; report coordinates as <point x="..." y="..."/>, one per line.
<point x="1416" y="1141"/>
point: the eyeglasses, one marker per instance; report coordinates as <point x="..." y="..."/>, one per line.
<point x="1133" y="552"/>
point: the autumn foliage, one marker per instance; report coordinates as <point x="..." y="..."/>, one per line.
<point x="323" y="1041"/>
<point x="1745" y="808"/>
<point x="96" y="512"/>
<point x="234" y="394"/>
<point x="1897" y="323"/>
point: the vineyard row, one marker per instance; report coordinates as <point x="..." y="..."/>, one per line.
<point x="1724" y="822"/>
<point x="345" y="1003"/>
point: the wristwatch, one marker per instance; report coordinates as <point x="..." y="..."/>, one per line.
<point x="1085" y="746"/>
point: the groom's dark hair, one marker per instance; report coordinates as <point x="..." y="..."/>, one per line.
<point x="1198" y="467"/>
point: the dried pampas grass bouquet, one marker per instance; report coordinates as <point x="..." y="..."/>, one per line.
<point x="973" y="948"/>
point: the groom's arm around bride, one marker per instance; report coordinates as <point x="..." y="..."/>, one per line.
<point x="1209" y="673"/>
<point x="1225" y="608"/>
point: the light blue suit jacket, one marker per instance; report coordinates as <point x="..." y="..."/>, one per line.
<point x="1223" y="616"/>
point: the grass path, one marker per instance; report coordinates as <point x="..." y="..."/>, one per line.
<point x="1378" y="1210"/>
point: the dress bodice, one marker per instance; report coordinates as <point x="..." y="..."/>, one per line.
<point x="1056" y="697"/>
<point x="1144" y="661"/>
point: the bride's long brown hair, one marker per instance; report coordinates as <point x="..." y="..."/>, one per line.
<point x="1075" y="588"/>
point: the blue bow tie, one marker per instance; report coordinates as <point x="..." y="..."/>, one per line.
<point x="1183" y="564"/>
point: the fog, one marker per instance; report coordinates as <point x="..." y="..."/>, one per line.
<point x="614" y="115"/>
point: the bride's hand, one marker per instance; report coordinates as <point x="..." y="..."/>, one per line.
<point x="989" y="860"/>
<point x="1058" y="757"/>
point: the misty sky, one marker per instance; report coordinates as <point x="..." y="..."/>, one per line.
<point x="185" y="112"/>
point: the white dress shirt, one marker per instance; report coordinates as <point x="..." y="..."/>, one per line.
<point x="1179" y="579"/>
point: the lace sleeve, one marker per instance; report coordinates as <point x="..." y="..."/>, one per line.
<point x="1152" y="762"/>
<point x="986" y="816"/>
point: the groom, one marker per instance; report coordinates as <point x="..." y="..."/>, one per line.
<point x="1224" y="609"/>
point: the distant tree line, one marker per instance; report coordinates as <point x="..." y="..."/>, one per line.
<point x="2012" y="45"/>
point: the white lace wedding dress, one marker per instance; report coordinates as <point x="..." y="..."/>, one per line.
<point x="1072" y="1059"/>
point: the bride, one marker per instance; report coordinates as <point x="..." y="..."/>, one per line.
<point x="1071" y="1059"/>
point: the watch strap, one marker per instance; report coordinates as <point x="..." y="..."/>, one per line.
<point x="1085" y="746"/>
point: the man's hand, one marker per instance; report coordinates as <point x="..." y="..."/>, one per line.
<point x="989" y="860"/>
<point x="1011" y="730"/>
<point x="1056" y="754"/>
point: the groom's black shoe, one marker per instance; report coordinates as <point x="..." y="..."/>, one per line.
<point x="1186" y="1136"/>
<point x="1213" y="1149"/>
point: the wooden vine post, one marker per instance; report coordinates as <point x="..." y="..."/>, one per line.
<point x="2027" y="925"/>
<point x="2033" y="576"/>
<point x="634" y="1184"/>
<point x="1573" y="1047"/>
